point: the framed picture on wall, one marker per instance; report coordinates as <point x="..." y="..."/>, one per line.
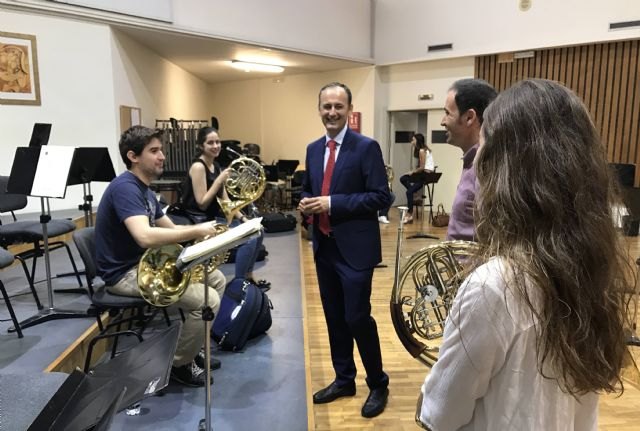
<point x="19" y="83"/>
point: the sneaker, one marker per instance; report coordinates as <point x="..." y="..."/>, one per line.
<point x="214" y="363"/>
<point x="383" y="219"/>
<point x="189" y="375"/>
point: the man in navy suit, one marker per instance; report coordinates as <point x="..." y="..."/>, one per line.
<point x="345" y="187"/>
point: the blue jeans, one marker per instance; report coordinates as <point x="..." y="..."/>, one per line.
<point x="247" y="253"/>
<point x="411" y="189"/>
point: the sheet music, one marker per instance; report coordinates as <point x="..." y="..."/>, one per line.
<point x="52" y="172"/>
<point x="222" y="242"/>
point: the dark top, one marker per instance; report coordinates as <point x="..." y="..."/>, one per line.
<point x="189" y="200"/>
<point x="116" y="250"/>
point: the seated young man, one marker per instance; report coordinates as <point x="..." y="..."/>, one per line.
<point x="129" y="221"/>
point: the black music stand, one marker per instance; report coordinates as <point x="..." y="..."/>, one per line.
<point x="43" y="172"/>
<point x="429" y="179"/>
<point x="201" y="254"/>
<point x="90" y="164"/>
<point x="85" y="400"/>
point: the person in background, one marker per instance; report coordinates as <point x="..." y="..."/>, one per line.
<point x="463" y="115"/>
<point x="204" y="185"/>
<point x="414" y="181"/>
<point x="536" y="331"/>
<point x="129" y="221"/>
<point x="345" y="187"/>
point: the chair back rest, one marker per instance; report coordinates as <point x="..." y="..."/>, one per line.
<point x="10" y="201"/>
<point x="86" y="245"/>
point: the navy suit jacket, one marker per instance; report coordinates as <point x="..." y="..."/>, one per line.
<point x="358" y="190"/>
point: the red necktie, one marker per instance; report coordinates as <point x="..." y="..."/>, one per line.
<point x="324" y="225"/>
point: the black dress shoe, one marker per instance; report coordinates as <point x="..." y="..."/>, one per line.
<point x="376" y="402"/>
<point x="333" y="392"/>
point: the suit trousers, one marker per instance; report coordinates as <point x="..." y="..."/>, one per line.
<point x="191" y="302"/>
<point x="346" y="300"/>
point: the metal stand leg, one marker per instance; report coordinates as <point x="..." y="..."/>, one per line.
<point x="50" y="313"/>
<point x="207" y="317"/>
<point x="422" y="234"/>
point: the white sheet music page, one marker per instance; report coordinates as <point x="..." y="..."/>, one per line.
<point x="53" y="169"/>
<point x="222" y="242"/>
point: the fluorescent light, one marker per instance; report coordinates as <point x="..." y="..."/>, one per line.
<point x="256" y="67"/>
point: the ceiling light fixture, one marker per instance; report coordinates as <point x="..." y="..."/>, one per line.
<point x="256" y="67"/>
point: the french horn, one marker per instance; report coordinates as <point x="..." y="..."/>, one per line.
<point x="423" y="292"/>
<point x="245" y="184"/>
<point x="159" y="281"/>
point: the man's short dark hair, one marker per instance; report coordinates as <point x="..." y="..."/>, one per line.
<point x="335" y="84"/>
<point x="474" y="94"/>
<point x="134" y="139"/>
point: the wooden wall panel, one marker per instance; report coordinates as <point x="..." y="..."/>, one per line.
<point x="605" y="75"/>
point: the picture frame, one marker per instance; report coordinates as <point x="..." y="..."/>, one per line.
<point x="19" y="80"/>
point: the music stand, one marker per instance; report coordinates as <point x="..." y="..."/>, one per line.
<point x="286" y="168"/>
<point x="429" y="179"/>
<point x="90" y="164"/>
<point x="87" y="399"/>
<point x="201" y="254"/>
<point x="43" y="172"/>
<point x="40" y="134"/>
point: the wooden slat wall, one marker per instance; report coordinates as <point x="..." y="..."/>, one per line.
<point x="605" y="75"/>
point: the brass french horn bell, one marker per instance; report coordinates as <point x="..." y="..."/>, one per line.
<point x="161" y="283"/>
<point x="245" y="184"/>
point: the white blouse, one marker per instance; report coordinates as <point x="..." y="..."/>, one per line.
<point x="487" y="376"/>
<point x="428" y="161"/>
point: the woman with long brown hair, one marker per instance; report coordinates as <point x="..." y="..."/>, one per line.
<point x="536" y="330"/>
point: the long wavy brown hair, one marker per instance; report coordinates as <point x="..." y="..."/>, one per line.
<point x="544" y="207"/>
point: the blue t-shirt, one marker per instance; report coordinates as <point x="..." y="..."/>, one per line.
<point x="116" y="250"/>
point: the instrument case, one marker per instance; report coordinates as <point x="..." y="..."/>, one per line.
<point x="245" y="311"/>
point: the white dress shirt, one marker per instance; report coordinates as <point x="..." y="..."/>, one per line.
<point x="487" y="375"/>
<point x="339" y="138"/>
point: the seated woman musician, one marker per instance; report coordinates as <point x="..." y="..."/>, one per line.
<point x="536" y="331"/>
<point x="201" y="190"/>
<point x="414" y="181"/>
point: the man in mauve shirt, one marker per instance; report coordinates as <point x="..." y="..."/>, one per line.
<point x="463" y="110"/>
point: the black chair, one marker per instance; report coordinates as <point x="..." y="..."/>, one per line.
<point x="103" y="301"/>
<point x="30" y="232"/>
<point x="6" y="259"/>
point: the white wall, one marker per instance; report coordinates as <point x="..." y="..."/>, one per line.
<point x="282" y="117"/>
<point x="336" y="28"/>
<point x="398" y="90"/>
<point x="158" y="87"/>
<point x="332" y="27"/>
<point x="76" y="87"/>
<point x="404" y="28"/>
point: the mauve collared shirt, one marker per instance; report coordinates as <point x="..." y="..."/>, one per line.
<point x="461" y="225"/>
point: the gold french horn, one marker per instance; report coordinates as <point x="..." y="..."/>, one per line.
<point x="423" y="292"/>
<point x="161" y="283"/>
<point x="245" y="184"/>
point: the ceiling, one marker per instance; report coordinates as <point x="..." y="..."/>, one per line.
<point x="208" y="58"/>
